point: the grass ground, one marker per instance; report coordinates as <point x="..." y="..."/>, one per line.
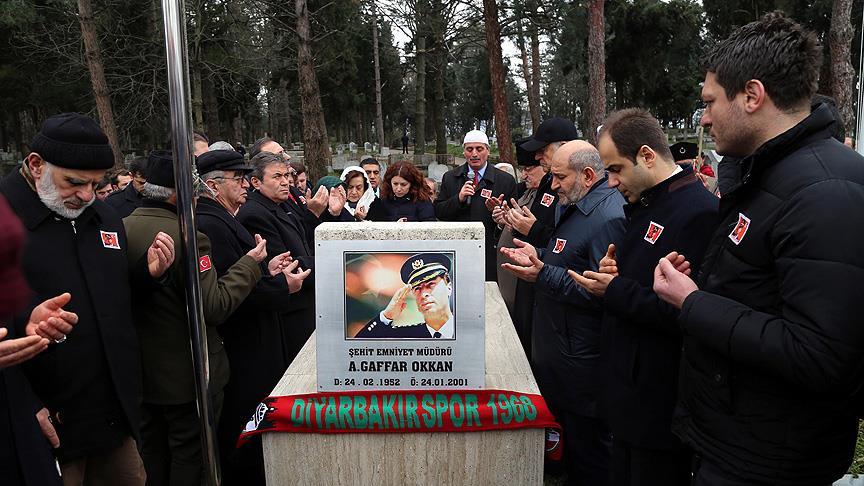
<point x="858" y="460"/>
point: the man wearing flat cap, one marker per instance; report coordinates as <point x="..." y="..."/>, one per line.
<point x="170" y="431"/>
<point x="252" y="334"/>
<point x="427" y="278"/>
<point x="465" y="190"/>
<point x="90" y="382"/>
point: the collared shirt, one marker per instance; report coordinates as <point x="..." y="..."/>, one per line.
<point x="480" y="171"/>
<point x="446" y="330"/>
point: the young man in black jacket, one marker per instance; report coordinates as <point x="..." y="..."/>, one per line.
<point x="773" y="345"/>
<point x="668" y="210"/>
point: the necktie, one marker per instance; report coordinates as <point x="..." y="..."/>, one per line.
<point x="437" y="334"/>
<point x="476" y="179"/>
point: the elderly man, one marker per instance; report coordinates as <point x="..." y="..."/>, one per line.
<point x="668" y="210"/>
<point x="90" y="382"/>
<point x="253" y="338"/>
<point x="427" y="278"/>
<point x="465" y="189"/>
<point x="171" y="429"/>
<point x="566" y="340"/>
<point x="125" y="201"/>
<point x="773" y="346"/>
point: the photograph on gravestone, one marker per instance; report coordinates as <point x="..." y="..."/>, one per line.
<point x="399" y="296"/>
<point x="399" y="308"/>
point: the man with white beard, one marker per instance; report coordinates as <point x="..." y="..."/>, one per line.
<point x="90" y="382"/>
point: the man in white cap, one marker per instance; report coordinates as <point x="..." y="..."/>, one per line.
<point x="465" y="189"/>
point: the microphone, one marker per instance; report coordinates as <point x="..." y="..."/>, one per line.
<point x="470" y="178"/>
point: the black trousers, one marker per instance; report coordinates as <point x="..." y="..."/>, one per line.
<point x="587" y="447"/>
<point x="636" y="466"/>
<point x="706" y="473"/>
<point x="171" y="443"/>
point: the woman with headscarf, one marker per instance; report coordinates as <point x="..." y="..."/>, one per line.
<point x="359" y="190"/>
<point x="404" y="196"/>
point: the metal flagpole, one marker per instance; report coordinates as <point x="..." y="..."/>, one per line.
<point x="178" y="93"/>
<point x="859" y="133"/>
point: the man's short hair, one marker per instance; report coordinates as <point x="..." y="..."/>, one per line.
<point x="777" y="51"/>
<point x="199" y="136"/>
<point x="256" y="147"/>
<point x="632" y="128"/>
<point x="138" y="165"/>
<point x="261" y="161"/>
<point x="588" y="157"/>
<point x="298" y="167"/>
<point x="115" y="175"/>
<point x="104" y="181"/>
<point x="157" y="193"/>
<point x="370" y="160"/>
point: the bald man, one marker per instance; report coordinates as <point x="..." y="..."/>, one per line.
<point x="566" y="334"/>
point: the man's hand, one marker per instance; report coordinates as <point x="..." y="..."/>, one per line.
<point x="48" y="320"/>
<point x="397" y="303"/>
<point x="608" y="264"/>
<point x="47" y="427"/>
<point x="595" y="283"/>
<point x="671" y="285"/>
<point x="467" y="190"/>
<point x="679" y="262"/>
<point x="493" y="202"/>
<point x="317" y="203"/>
<point x="16" y="351"/>
<point x="259" y="253"/>
<point x="160" y="255"/>
<point x="295" y="276"/>
<point x="402" y="220"/>
<point x="279" y="263"/>
<point x="521" y="218"/>
<point x="336" y="201"/>
<point x="499" y="214"/>
<point x="527" y="266"/>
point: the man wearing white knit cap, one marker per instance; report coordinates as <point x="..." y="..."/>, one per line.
<point x="465" y="189"/>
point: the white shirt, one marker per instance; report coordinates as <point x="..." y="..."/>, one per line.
<point x="446" y="330"/>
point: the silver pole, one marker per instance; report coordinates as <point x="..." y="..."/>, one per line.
<point x="178" y="93"/>
<point x="859" y="133"/>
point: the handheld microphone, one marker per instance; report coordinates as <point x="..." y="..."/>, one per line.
<point x="470" y="178"/>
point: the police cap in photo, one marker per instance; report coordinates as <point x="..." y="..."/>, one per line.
<point x="424" y="267"/>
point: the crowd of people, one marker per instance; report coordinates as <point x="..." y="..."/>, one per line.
<point x="679" y="335"/>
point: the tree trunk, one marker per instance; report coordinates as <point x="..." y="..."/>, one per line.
<point x="420" y="84"/>
<point x="439" y="69"/>
<point x="842" y="74"/>
<point x="535" y="69"/>
<point x="286" y="107"/>
<point x="533" y="102"/>
<point x="97" y="78"/>
<point x="316" y="147"/>
<point x="596" y="69"/>
<point x="197" y="99"/>
<point x="379" y="113"/>
<point x="496" y="75"/>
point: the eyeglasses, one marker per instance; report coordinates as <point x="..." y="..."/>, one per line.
<point x="237" y="179"/>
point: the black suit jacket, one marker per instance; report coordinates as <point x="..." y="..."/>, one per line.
<point x="448" y="207"/>
<point x="125" y="201"/>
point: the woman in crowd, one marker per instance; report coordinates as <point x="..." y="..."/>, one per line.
<point x="404" y="196"/>
<point x="359" y="190"/>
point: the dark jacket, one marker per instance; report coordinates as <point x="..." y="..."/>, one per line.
<point x="773" y="344"/>
<point x="93" y="379"/>
<point x="160" y="311"/>
<point x="253" y="335"/>
<point x="642" y="341"/>
<point x="448" y="207"/>
<point x="125" y="201"/>
<point x="566" y="340"/>
<point x="543" y="208"/>
<point x="394" y="208"/>
<point x="284" y="231"/>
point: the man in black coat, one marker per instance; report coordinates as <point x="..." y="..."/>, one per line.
<point x="668" y="210"/>
<point x="465" y="190"/>
<point x="90" y="383"/>
<point x="125" y="201"/>
<point x="566" y="340"/>
<point x="253" y="334"/>
<point x="265" y="213"/>
<point x="773" y="343"/>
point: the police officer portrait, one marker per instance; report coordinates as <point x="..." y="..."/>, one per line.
<point x="400" y="296"/>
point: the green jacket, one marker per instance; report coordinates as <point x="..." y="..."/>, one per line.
<point x="159" y="309"/>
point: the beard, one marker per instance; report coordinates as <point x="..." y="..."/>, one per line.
<point x="572" y="197"/>
<point x="50" y="196"/>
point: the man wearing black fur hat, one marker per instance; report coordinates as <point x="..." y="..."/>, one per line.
<point x="427" y="277"/>
<point x="90" y="383"/>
